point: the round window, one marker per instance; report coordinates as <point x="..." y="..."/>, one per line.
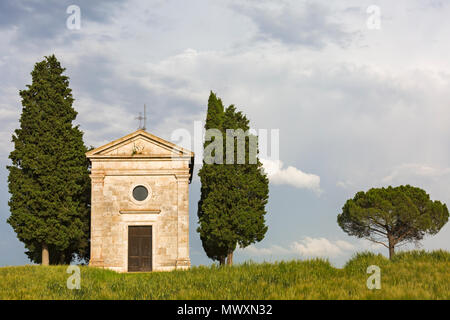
<point x="140" y="193"/>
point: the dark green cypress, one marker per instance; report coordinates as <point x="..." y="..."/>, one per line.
<point x="211" y="224"/>
<point x="233" y="196"/>
<point x="49" y="175"/>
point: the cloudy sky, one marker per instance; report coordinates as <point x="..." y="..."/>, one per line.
<point x="358" y="101"/>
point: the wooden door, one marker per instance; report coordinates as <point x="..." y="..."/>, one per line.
<point x="139" y="248"/>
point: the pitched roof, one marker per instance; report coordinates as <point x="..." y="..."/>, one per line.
<point x="140" y="144"/>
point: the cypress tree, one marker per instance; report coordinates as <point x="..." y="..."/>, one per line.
<point x="49" y="175"/>
<point x="212" y="224"/>
<point x="233" y="196"/>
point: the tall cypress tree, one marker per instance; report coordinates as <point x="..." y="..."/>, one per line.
<point x="49" y="176"/>
<point x="247" y="187"/>
<point x="233" y="196"/>
<point x="212" y="223"/>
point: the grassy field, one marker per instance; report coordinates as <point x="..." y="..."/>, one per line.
<point x="410" y="275"/>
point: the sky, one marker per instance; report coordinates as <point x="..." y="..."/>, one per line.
<point x="358" y="91"/>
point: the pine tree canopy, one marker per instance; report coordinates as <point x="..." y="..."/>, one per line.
<point x="392" y="216"/>
<point x="49" y="174"/>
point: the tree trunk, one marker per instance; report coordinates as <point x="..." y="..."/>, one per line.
<point x="230" y="258"/>
<point x="62" y="258"/>
<point x="391" y="247"/>
<point x="222" y="261"/>
<point x="45" y="260"/>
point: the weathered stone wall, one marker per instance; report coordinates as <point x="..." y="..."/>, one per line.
<point x="114" y="209"/>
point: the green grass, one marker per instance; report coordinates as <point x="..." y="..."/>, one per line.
<point x="410" y="275"/>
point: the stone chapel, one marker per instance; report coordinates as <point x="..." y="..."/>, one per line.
<point x="140" y="204"/>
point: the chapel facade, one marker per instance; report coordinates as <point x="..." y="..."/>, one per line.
<point x="140" y="204"/>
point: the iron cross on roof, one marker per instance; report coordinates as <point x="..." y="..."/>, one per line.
<point x="142" y="118"/>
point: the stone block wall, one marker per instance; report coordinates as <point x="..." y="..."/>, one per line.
<point x="114" y="209"/>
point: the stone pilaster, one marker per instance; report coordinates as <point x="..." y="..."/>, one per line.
<point x="97" y="204"/>
<point x="183" y="261"/>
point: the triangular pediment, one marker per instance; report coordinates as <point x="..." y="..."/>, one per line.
<point x="139" y="144"/>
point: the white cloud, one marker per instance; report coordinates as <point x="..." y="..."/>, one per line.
<point x="293" y="22"/>
<point x="408" y="170"/>
<point x="307" y="247"/>
<point x="344" y="184"/>
<point x="9" y="114"/>
<point x="272" y="250"/>
<point x="290" y="176"/>
<point x="321" y="247"/>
